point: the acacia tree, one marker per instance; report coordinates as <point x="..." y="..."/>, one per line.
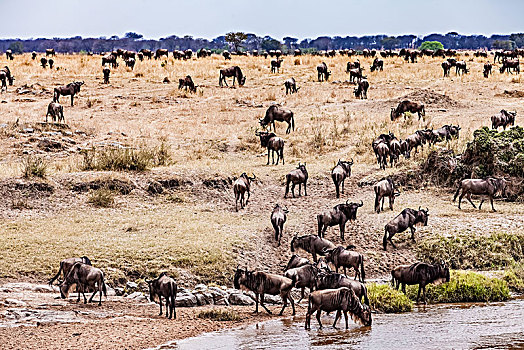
<point x="431" y="45"/>
<point x="236" y="39"/>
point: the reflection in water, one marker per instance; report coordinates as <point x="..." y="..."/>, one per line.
<point x="457" y="326"/>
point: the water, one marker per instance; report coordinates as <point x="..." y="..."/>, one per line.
<point x="451" y="326"/>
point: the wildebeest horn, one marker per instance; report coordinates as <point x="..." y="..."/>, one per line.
<point x="419" y="207"/>
<point x="361" y="203"/>
<point x="347" y="201"/>
<point x="427" y="210"/>
<point x="351" y="163"/>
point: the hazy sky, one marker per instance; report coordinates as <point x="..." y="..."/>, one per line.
<point x="278" y="18"/>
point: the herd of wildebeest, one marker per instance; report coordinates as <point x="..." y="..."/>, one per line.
<point x="329" y="290"/>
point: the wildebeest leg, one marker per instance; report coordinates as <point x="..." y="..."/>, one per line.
<point x="412" y="228"/>
<point x="318" y="318"/>
<point x="292" y="302"/>
<point x="460" y="198"/>
<point x="419" y="289"/>
<point x="302" y="294"/>
<point x="314" y="256"/>
<point x="268" y="151"/>
<point x="72" y="95"/>
<point x="468" y="196"/>
<point x="382" y="206"/>
<point x="284" y="301"/>
<point x="92" y="296"/>
<point x="342" y="186"/>
<point x="293" y="189"/>
<point x="160" y="302"/>
<point x="337" y="316"/>
<point x="342" y="234"/>
<point x="424" y="293"/>
<point x="262" y="303"/>
<point x="346" y="318"/>
<point x="404" y="288"/>
<point x="305" y="189"/>
<point x="480" y="205"/>
<point x="248" y="195"/>
<point x="300" y="189"/>
<point x="391" y="202"/>
<point x="390" y="241"/>
<point x="491" y="200"/>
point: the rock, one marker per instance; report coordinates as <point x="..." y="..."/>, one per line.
<point x="28" y="130"/>
<point x="240" y="299"/>
<point x="220" y="296"/>
<point x="67" y="133"/>
<point x="204" y="298"/>
<point x="200" y="286"/>
<point x="48" y="144"/>
<point x="131" y="285"/>
<point x="110" y="292"/>
<point x="40" y="288"/>
<point x="135" y="295"/>
<point x="186" y="300"/>
<point x="14" y="302"/>
<point x="69" y="140"/>
<point x="119" y="291"/>
<point x="272" y="299"/>
<point x="4" y="125"/>
<point x="155" y="187"/>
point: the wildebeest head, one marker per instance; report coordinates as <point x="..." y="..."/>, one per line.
<point x="350" y="209"/>
<point x="264" y="137"/>
<point x="499" y="184"/>
<point x="153" y="292"/>
<point x="444" y="271"/>
<point x="284" y="209"/>
<point x="346" y="165"/>
<point x="364" y="317"/>
<point x="293" y="243"/>
<point x="302" y="166"/>
<point x="422" y="216"/>
<point x="240" y="277"/>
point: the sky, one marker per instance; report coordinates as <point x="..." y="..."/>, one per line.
<point x="277" y="18"/>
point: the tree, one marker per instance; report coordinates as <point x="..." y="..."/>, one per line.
<point x="503" y="45"/>
<point x="17" y="47"/>
<point x="431" y="45"/>
<point x="133" y="35"/>
<point x="290" y="42"/>
<point x="236" y="39"/>
<point x="271" y="44"/>
<point x="518" y="39"/>
<point x="390" y="43"/>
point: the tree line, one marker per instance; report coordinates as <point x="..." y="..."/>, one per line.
<point x="242" y="41"/>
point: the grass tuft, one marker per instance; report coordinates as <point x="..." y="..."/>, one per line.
<point x="384" y="298"/>
<point x="34" y="167"/>
<point x="102" y="198"/>
<point x="219" y="315"/>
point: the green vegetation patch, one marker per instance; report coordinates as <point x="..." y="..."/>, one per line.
<point x="514" y="277"/>
<point x="386" y="299"/>
<point x="219" y="315"/>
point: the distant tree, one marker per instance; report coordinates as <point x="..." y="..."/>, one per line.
<point x="431" y="45"/>
<point x="235" y="39"/>
<point x="114" y="37"/>
<point x="133" y="35"/>
<point x="503" y="45"/>
<point x="271" y="44"/>
<point x="390" y="43"/>
<point x="518" y="39"/>
<point x="17" y="47"/>
<point x="290" y="42"/>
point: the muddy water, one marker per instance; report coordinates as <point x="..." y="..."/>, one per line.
<point x="452" y="326"/>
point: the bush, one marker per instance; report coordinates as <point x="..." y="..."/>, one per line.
<point x="384" y="298"/>
<point x="514" y="277"/>
<point x="219" y="315"/>
<point x="431" y="45"/>
<point x="464" y="287"/>
<point x="34" y="167"/>
<point x="102" y="198"/>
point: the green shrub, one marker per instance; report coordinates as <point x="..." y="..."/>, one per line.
<point x="219" y="315"/>
<point x="431" y="45"/>
<point x="514" y="277"/>
<point x="384" y="298"/>
<point x="464" y="287"/>
<point x="34" y="167"/>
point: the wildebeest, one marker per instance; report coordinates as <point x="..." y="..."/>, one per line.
<point x="312" y="244"/>
<point x="163" y="286"/>
<point x="394" y="150"/>
<point x="278" y="218"/>
<point x="408" y="218"/>
<point x="226" y="54"/>
<point x="461" y="66"/>
<point x="446" y="67"/>
<point x="305" y="276"/>
<point x="361" y="91"/>
<point x="109" y="59"/>
<point x="342" y="257"/>
<point x="262" y="283"/>
<point x="298" y="177"/>
<point x="187" y="83"/>
<point x="188" y="53"/>
<point x="178" y="55"/>
<point x="33" y="55"/>
<point x="509" y="65"/>
<point x="50" y="52"/>
<point x="273" y="143"/>
<point x="503" y="119"/>
<point x="378" y="64"/>
<point x="56" y="111"/>
<point x="490" y="187"/>
<point x="407" y="106"/>
<point x="276" y="112"/>
<point x="9" y="55"/>
<point x="161" y="52"/>
<point x="291" y="86"/>
<point x="417" y="139"/>
<point x="487" y="69"/>
<point x="322" y="71"/>
<point x="275" y="65"/>
<point x="297" y="52"/>
<point x="43" y="62"/>
<point x="295" y="261"/>
<point x="130" y="62"/>
<point x="339" y="215"/>
<point x="240" y="187"/>
<point x="341" y="300"/>
<point x="446" y="132"/>
<point x="339" y="173"/>
<point x="51" y="63"/>
<point x="106" y="71"/>
<point x="234" y="72"/>
<point x="140" y="56"/>
<point x="355" y="75"/>
<point x="70" y="89"/>
<point x="421" y="274"/>
<point x="382" y="152"/>
<point x="333" y="280"/>
<point x="5" y="76"/>
<point x="352" y="65"/>
<point x="385" y="188"/>
<point x="66" y="265"/>
<point x="86" y="278"/>
<point x="147" y="53"/>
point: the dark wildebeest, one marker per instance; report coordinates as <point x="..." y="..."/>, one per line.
<point x="490" y="187"/>
<point x="306" y="276"/>
<point x="56" y="111"/>
<point x="110" y="60"/>
<point x="226" y="54"/>
<point x="296" y="261"/>
<point x="178" y="55"/>
<point x="234" y="72"/>
<point x="275" y="65"/>
<point x="322" y="71"/>
<point x="240" y="187"/>
<point x="487" y="69"/>
<point x="383" y="189"/>
<point x="9" y="55"/>
<point x="355" y="75"/>
<point x="446" y="67"/>
<point x="187" y="83"/>
<point x="312" y="244"/>
<point x="407" y="106"/>
<point x="130" y="63"/>
<point x="339" y="173"/>
<point x="382" y="152"/>
<point x="163" y="286"/>
<point x="273" y="143"/>
<point x="147" y="53"/>
<point x="276" y="112"/>
<point x="262" y="283"/>
<point x="86" y="278"/>
<point x="417" y="139"/>
<point x="298" y="177"/>
<point x="332" y="280"/>
<point x="421" y="274"/>
<point x="50" y="52"/>
<point x="33" y="55"/>
<point x="503" y="119"/>
<point x="352" y="65"/>
<point x="404" y="148"/>
<point x="278" y="218"/>
<point x="297" y="52"/>
<point x="51" y="63"/>
<point x="161" y="52"/>
<point x="66" y="265"/>
<point x="106" y="72"/>
<point x="70" y="89"/>
<point x="341" y="257"/>
<point x="43" y="62"/>
<point x="140" y="56"/>
<point x="361" y="91"/>
<point x="461" y="66"/>
<point x="510" y="64"/>
<point x="378" y="64"/>
<point x="188" y="54"/>
<point x="5" y="75"/>
<point x="341" y="300"/>
<point x="408" y="218"/>
<point x="339" y="215"/>
<point x="394" y="150"/>
<point x="446" y="132"/>
<point x="291" y="86"/>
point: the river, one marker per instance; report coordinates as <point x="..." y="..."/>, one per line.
<point x="445" y="326"/>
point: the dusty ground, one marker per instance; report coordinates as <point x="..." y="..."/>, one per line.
<point x="191" y="230"/>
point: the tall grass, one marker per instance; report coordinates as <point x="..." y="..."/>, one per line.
<point x="384" y="298"/>
<point x="34" y="167"/>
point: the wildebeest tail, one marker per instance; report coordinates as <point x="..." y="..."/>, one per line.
<point x="351" y="246"/>
<point x="293" y="280"/>
<point x="104" y="287"/>
<point x="385" y="239"/>
<point x="319" y="222"/>
<point x="292" y="121"/>
<point x="457" y="193"/>
<point x="57" y="275"/>
<point x="86" y="260"/>
<point x="377" y="205"/>
<point x="423" y="111"/>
